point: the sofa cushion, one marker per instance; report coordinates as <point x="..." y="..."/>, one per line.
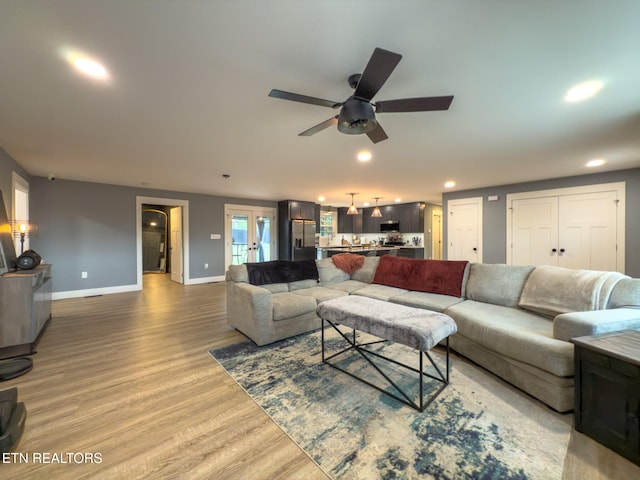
<point x="429" y="301"/>
<point x="321" y="293"/>
<point x="367" y="271"/>
<point x="328" y="273"/>
<point x="287" y="305"/>
<point x="293" y="286"/>
<point x="380" y="292"/>
<point x="435" y="276"/>
<point x="515" y="333"/>
<point x="348" y="286"/>
<point x="276" y="287"/>
<point x="238" y="273"/>
<point x="626" y="294"/>
<point x="497" y="283"/>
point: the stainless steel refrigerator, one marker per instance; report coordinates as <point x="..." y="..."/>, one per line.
<point x="303" y="239"/>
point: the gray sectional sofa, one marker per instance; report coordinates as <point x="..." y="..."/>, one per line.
<point x="515" y="321"/>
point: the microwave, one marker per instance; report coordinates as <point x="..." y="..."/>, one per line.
<point x="386" y="227"/>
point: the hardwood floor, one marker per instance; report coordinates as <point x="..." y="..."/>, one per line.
<point x="127" y="381"/>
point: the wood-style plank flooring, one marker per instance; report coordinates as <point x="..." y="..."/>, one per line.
<point x="128" y="378"/>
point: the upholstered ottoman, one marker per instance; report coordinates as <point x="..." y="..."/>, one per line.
<point x="416" y="328"/>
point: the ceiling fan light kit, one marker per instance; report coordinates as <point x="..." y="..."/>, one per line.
<point x="357" y="113"/>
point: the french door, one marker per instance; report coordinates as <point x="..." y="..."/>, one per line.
<point x="250" y="234"/>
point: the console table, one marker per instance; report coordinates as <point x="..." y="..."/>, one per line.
<point x="607" y="400"/>
<point x="25" y="310"/>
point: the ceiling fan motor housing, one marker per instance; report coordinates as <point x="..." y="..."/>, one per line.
<point x="356" y="117"/>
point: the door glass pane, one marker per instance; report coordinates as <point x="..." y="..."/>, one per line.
<point x="239" y="232"/>
<point x="263" y="239"/>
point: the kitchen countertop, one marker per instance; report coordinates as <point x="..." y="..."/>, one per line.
<point x="372" y="247"/>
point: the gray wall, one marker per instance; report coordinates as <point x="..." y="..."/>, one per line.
<point x="494" y="214"/>
<point x="90" y="227"/>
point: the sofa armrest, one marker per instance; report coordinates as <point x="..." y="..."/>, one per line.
<point x="249" y="309"/>
<point x="578" y="324"/>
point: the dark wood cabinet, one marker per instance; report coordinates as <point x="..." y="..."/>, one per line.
<point x="370" y="224"/>
<point x="607" y="383"/>
<point x="411" y="217"/>
<point x="296" y="210"/>
<point x="349" y="223"/>
<point x="411" y="252"/>
<point x="25" y="309"/>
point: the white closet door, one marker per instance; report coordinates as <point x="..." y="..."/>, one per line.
<point x="587" y="234"/>
<point x="464" y="229"/>
<point x="534" y="231"/>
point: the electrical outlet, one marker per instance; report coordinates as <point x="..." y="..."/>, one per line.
<point x="84" y="275"/>
<point x="206" y="265"/>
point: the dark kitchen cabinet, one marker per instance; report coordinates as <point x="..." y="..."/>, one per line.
<point x="411" y="217"/>
<point x="370" y="224"/>
<point x="349" y="223"/>
<point x="296" y="210"/>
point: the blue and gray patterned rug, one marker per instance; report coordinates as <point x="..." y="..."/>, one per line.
<point x="478" y="428"/>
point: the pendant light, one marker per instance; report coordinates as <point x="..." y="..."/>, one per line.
<point x="376" y="211"/>
<point x="352" y="209"/>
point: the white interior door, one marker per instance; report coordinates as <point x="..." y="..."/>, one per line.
<point x="464" y="229"/>
<point x="587" y="232"/>
<point x="534" y="227"/>
<point x="177" y="266"/>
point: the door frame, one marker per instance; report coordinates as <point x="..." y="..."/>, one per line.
<point x="255" y="210"/>
<point x="618" y="187"/>
<point x="168" y="202"/>
<point x="436" y="213"/>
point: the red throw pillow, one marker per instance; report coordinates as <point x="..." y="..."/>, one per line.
<point x="433" y="276"/>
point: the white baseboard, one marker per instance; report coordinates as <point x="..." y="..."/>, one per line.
<point x="196" y="281"/>
<point x="92" y="292"/>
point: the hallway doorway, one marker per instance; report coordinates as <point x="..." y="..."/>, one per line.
<point x="162" y="238"/>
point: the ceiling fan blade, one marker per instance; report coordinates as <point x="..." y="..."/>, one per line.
<point x="296" y="97"/>
<point x="319" y="127"/>
<point x="380" y="66"/>
<point x="422" y="104"/>
<point x="377" y="134"/>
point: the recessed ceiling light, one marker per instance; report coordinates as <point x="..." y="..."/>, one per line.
<point x="583" y="91"/>
<point x="398" y="200"/>
<point x="84" y="63"/>
<point x="321" y="199"/>
<point x="449" y="184"/>
<point x="365" y="204"/>
<point x="596" y="162"/>
<point x="91" y="68"/>
<point x="364" y="156"/>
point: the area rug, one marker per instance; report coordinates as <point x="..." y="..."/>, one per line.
<point x="477" y="428"/>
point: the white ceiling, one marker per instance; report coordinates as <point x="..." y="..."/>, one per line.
<point x="187" y="97"/>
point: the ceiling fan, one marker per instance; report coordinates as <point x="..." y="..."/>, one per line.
<point x="357" y="113"/>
